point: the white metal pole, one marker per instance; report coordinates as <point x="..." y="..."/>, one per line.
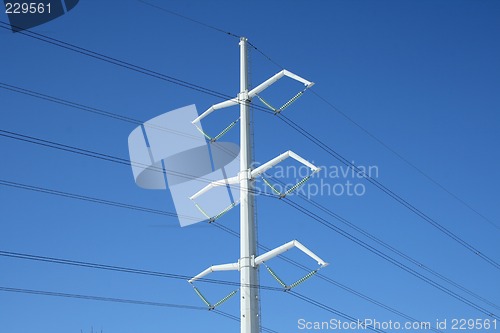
<point x="248" y="272"/>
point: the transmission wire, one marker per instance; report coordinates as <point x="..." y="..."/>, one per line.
<point x="102" y="59"/>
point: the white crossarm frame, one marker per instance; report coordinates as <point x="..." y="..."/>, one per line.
<point x="262" y="258"/>
<point x="222" y="182"/>
<point x="255" y="91"/>
<point x="266" y="84"/>
<point x="257" y="172"/>
<point x="214" y="107"/>
<point x="224" y="267"/>
<point x="268" y="165"/>
<point x="285" y="247"/>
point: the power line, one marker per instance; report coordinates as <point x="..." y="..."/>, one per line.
<point x="378" y="330"/>
<point x="265" y="55"/>
<point x="237" y="319"/>
<point x="227" y="33"/>
<point x="321" y="207"/>
<point x="126" y="65"/>
<point x="107" y="202"/>
<point x="121" y="269"/>
<point x="217" y="225"/>
<point x="159" y="274"/>
<point x="222" y="227"/>
<point x="393" y="249"/>
<point x="115" y="61"/>
<point x="123" y="161"/>
<point x="388" y="258"/>
<point x="365" y="245"/>
<point x="104" y="113"/>
<point x="150" y="273"/>
<point x="405" y="160"/>
<point x="333" y="282"/>
<point x="100" y="298"/>
<point x="123" y="301"/>
<point x="94" y="110"/>
<point x="206" y="25"/>
<point x="386" y="146"/>
<point x="288" y="121"/>
<point x="389" y="192"/>
<point x="330" y="309"/>
<point x="379" y="185"/>
<point x="120" y="160"/>
<point x="88" y="198"/>
<point x="110" y="158"/>
<point x="291" y="203"/>
<point x="476" y="253"/>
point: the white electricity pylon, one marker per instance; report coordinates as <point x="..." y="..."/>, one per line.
<point x="248" y="262"/>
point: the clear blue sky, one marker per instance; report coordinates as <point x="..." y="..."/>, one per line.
<point x="421" y="76"/>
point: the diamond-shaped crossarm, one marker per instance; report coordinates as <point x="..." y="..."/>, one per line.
<point x="221" y="105"/>
<point x="211" y="109"/>
<point x="243" y="98"/>
<point x="257" y="172"/>
<point x="254" y="174"/>
<point x="224" y="267"/>
<point x="218" y="183"/>
<point x="266" y="84"/>
<point x="266" y="166"/>
<point x="212" y="185"/>
<point x="283" y="248"/>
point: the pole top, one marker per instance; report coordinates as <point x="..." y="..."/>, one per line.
<point x="243" y="40"/>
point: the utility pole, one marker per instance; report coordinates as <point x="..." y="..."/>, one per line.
<point x="248" y="262"/>
<point x="249" y="301"/>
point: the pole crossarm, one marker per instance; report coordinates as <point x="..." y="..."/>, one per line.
<point x="285" y="247"/>
<point x="224" y="267"/>
<point x="288" y="154"/>
<point x="266" y="84"/>
<point x="212" y="185"/>
<point x="217" y="183"/>
<point x="247" y="97"/>
<point x="256" y="172"/>
<point x="254" y="92"/>
<point x="221" y="105"/>
<point x="225" y="104"/>
<point x="252" y="175"/>
<point x="266" y="166"/>
<point x="218" y="136"/>
<point x="260" y="260"/>
<point x="269" y="82"/>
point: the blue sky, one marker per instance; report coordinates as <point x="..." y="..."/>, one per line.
<point x="421" y="76"/>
